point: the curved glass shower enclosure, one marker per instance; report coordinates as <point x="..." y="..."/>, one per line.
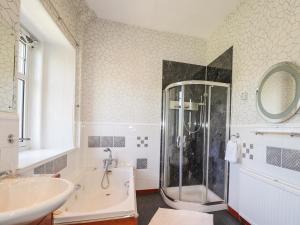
<point x="195" y="131"/>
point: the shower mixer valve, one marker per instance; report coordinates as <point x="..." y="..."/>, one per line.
<point x="110" y="161"/>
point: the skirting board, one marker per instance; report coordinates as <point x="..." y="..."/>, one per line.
<point x="147" y="191"/>
<point x="236" y="215"/>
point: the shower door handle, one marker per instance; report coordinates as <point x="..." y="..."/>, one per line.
<point x="178" y="141"/>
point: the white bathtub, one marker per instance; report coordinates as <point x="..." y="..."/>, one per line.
<point x="92" y="203"/>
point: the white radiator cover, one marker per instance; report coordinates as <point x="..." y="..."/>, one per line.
<point x="266" y="201"/>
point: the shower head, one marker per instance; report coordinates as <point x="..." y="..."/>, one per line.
<point x="107" y="150"/>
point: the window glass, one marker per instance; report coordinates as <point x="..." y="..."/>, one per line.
<point x="21" y="105"/>
<point x="22" y="58"/>
<point x="22" y="84"/>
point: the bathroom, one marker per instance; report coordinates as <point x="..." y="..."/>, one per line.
<point x="149" y="112"/>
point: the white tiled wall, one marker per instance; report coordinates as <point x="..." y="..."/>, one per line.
<point x="145" y="178"/>
<point x="72" y="168"/>
<point x="8" y="151"/>
<point x="240" y="192"/>
<point x="260" y="143"/>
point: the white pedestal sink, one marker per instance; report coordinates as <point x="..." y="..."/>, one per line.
<point x="23" y="200"/>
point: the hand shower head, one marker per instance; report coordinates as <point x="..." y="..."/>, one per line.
<point x="110" y="154"/>
<point x="107" y="150"/>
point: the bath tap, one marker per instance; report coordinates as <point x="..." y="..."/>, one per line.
<point x="109" y="162"/>
<point x="110" y="155"/>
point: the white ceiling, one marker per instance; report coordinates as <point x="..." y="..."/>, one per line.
<point x="190" y="17"/>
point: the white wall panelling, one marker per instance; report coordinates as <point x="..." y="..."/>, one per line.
<point x="73" y="162"/>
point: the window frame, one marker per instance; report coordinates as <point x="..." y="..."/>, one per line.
<point x="24" y="77"/>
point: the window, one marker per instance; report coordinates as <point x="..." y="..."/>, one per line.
<point x="22" y="77"/>
<point x="46" y="90"/>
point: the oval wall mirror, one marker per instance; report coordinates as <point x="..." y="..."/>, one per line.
<point x="278" y="94"/>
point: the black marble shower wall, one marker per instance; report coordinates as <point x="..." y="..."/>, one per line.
<point x="220" y="70"/>
<point x="194" y="169"/>
<point x="176" y="71"/>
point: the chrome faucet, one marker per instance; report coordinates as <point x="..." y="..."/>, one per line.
<point x="109" y="161"/>
<point x="6" y="174"/>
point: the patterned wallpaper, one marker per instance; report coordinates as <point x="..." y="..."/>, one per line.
<point x="9" y="27"/>
<point x="9" y="13"/>
<point x="122" y="70"/>
<point x="73" y="13"/>
<point x="263" y="33"/>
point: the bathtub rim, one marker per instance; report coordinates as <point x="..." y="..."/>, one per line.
<point x="94" y="216"/>
<point x="134" y="215"/>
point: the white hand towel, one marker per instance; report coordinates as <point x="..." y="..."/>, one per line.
<point x="232" y="152"/>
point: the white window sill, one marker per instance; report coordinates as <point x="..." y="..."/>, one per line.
<point x="32" y="158"/>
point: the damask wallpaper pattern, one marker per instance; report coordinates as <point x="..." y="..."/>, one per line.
<point x="9" y="31"/>
<point x="262" y="33"/>
<point x="122" y="70"/>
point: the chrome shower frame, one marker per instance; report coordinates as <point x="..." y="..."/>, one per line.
<point x="179" y="203"/>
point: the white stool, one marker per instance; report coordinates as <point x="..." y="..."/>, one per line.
<point x="181" y="217"/>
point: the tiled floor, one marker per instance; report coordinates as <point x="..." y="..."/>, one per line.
<point x="148" y="204"/>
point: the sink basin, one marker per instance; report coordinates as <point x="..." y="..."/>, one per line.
<point x="23" y="200"/>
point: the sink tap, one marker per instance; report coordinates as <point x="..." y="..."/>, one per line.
<point x="6" y="174"/>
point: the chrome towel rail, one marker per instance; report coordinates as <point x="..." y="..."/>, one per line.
<point x="291" y="134"/>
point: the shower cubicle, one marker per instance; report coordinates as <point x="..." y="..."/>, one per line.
<point x="194" y="174"/>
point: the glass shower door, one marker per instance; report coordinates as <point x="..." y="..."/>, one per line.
<point x="196" y="117"/>
<point x="194" y="136"/>
<point x="218" y="136"/>
<point x="172" y="147"/>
